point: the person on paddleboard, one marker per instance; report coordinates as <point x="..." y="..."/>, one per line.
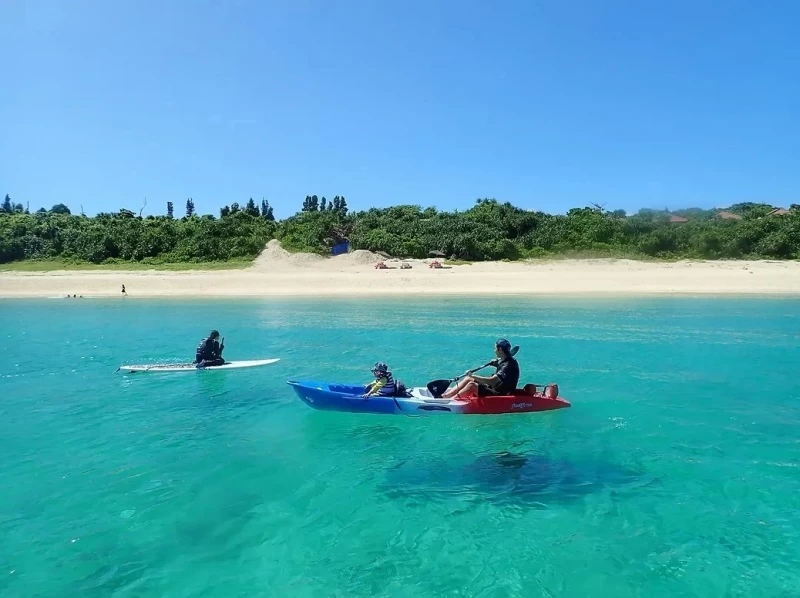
<point x="502" y="382"/>
<point x="209" y="351"/>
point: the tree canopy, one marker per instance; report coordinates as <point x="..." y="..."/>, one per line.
<point x="489" y="230"/>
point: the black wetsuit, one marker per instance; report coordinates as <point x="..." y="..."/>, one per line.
<point x="209" y="352"/>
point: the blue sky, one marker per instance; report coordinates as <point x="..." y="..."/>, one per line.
<point x="548" y="105"/>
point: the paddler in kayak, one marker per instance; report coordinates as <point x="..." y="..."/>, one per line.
<point x="383" y="385"/>
<point x="209" y="351"/>
<point x="502" y="382"/>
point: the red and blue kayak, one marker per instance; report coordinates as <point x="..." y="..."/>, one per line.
<point x="327" y="396"/>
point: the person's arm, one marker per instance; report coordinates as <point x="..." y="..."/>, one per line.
<point x="490" y="380"/>
<point x="377" y="385"/>
<point x="486" y="379"/>
<point x="495" y="378"/>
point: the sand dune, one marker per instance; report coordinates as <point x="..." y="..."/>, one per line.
<point x="275" y="258"/>
<point x="277" y="272"/>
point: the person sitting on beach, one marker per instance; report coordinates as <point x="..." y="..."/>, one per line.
<point x="502" y="382"/>
<point x="383" y="385"/>
<point x="209" y="351"/>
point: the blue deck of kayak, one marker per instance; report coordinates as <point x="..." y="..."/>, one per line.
<point x="341" y="397"/>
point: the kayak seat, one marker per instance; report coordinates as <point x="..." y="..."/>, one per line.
<point x="549" y="391"/>
<point x="401" y="390"/>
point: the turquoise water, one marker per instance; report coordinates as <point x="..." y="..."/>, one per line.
<point x="675" y="473"/>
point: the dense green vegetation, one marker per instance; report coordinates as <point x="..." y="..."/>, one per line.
<point x="125" y="237"/>
<point x="487" y="231"/>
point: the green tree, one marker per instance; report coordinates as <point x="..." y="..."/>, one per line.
<point x="266" y="211"/>
<point x="60" y="208"/>
<point x="170" y="210"/>
<point x="7" y="207"/>
<point x="750" y="209"/>
<point x="311" y="204"/>
<point x="251" y="208"/>
<point x="189" y="208"/>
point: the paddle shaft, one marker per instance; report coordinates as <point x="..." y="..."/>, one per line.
<point x="513" y="352"/>
<point x="485" y="365"/>
<point x="437" y="387"/>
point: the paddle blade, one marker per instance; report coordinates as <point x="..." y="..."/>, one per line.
<point x="437" y="387"/>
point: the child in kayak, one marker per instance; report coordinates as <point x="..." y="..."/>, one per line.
<point x="383" y="385"/>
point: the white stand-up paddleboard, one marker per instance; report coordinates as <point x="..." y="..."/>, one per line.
<point x="190" y="367"/>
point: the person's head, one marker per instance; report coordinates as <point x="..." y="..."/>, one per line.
<point x="379" y="369"/>
<point x="502" y="348"/>
<point x="214" y="335"/>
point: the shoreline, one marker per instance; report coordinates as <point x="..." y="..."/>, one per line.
<point x="354" y="276"/>
<point x="589" y="296"/>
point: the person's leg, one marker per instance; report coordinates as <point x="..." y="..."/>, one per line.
<point x="485" y="391"/>
<point x="464" y="386"/>
<point x="210" y="362"/>
<point x="451" y="391"/>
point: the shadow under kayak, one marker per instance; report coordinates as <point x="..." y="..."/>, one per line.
<point x="328" y="396"/>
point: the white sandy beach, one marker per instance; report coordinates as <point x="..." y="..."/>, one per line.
<point x="278" y="273"/>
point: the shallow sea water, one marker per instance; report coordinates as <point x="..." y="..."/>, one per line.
<point x="675" y="473"/>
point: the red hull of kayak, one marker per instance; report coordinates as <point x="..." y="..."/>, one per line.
<point x="520" y="402"/>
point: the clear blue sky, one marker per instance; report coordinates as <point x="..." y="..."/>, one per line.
<point x="548" y="105"/>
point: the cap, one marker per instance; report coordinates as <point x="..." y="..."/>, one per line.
<point x="504" y="345"/>
<point x="380" y="367"/>
<point x="214" y="334"/>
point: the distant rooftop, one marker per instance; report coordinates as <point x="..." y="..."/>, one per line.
<point x="779" y="212"/>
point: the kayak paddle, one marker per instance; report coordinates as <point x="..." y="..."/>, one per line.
<point x="437" y="387"/>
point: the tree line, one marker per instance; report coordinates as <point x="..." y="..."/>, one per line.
<point x="489" y="230"/>
<point x="123" y="236"/>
